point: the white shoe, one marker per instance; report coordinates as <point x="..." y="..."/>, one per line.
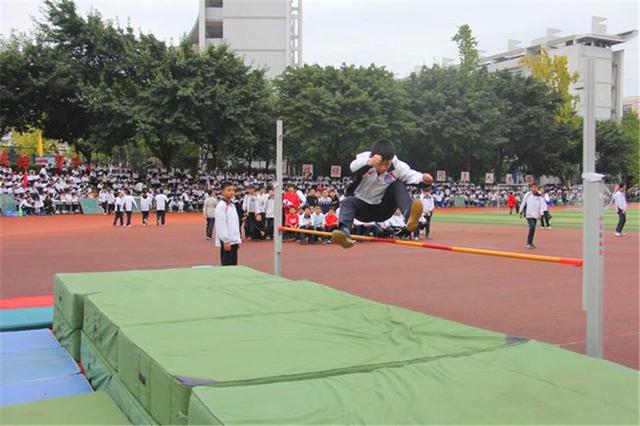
<point x="617" y="234"/>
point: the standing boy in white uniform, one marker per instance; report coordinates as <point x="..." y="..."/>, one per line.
<point x="145" y="207"/>
<point x="161" y="206"/>
<point x="209" y="213"/>
<point x="227" y="226"/>
<point x="532" y="208"/>
<point x="620" y="201"/>
<point x="129" y="204"/>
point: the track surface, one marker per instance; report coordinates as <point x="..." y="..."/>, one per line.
<point x="532" y="299"/>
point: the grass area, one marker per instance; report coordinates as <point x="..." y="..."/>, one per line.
<point x="560" y="219"/>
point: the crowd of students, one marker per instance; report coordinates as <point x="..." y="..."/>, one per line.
<point x="51" y="191"/>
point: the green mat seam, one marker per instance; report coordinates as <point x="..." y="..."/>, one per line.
<point x="367" y="368"/>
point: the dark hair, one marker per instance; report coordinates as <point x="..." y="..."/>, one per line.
<point x="383" y="148"/>
<point x="225" y="185"/>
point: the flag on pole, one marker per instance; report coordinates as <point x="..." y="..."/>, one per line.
<point x="40" y="147"/>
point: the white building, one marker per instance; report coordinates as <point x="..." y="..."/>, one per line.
<point x="266" y="33"/>
<point x="609" y="65"/>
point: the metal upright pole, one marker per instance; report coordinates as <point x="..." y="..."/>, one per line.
<point x="277" y="213"/>
<point x="592" y="223"/>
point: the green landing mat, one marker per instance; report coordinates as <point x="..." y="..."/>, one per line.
<point x="105" y="313"/>
<point x="95" y="408"/>
<point x="90" y="206"/>
<point x="70" y="289"/>
<point x="68" y="336"/>
<point x="7" y="204"/>
<point x="530" y="383"/>
<point x="160" y="363"/>
<point x="103" y="378"/>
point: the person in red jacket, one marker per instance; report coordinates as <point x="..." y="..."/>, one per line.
<point x="292" y="220"/>
<point x="290" y="198"/>
<point x="330" y="223"/>
<point x="330" y="220"/>
<point x="511" y="202"/>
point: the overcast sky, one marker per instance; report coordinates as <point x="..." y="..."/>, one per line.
<point x="399" y="34"/>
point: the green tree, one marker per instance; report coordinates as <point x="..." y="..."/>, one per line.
<point x="331" y="113"/>
<point x="467" y="49"/>
<point x="613" y="149"/>
<point x="537" y="143"/>
<point x="17" y="90"/>
<point x="458" y="120"/>
<point x="234" y="107"/>
<point x="68" y="71"/>
<point x="553" y="71"/>
<point x="631" y="128"/>
<point x="166" y="105"/>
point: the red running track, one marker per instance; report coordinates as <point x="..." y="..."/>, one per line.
<point x="532" y="299"/>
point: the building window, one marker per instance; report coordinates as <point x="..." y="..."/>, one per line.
<point x="214" y="3"/>
<point x="214" y="30"/>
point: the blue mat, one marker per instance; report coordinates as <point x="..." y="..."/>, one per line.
<point x="20" y="341"/>
<point x="36" y="364"/>
<point x="25" y="318"/>
<point x="21" y="393"/>
<point x="35" y="367"/>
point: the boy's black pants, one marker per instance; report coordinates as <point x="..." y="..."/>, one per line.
<point x="622" y="219"/>
<point x="269" y="229"/>
<point x="395" y="197"/>
<point x="211" y="221"/>
<point x="228" y="257"/>
<point x="129" y="213"/>
<point x="160" y="217"/>
<point x="118" y="217"/>
<point x="532" y="229"/>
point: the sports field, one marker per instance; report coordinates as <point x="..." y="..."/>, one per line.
<point x="533" y="299"/>
<point x="561" y="218"/>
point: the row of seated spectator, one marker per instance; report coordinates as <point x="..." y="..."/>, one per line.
<point x="53" y="191"/>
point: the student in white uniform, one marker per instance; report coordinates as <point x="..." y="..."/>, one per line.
<point x="227" y="225"/>
<point x="532" y="209"/>
<point x="270" y="207"/>
<point x="161" y="201"/>
<point x="102" y="200"/>
<point x="111" y="201"/>
<point x="546" y="216"/>
<point x="209" y="213"/>
<point x="377" y="190"/>
<point x="129" y="204"/>
<point x="119" y="209"/>
<point x="620" y="200"/>
<point x="145" y="207"/>
<point x="428" y="205"/>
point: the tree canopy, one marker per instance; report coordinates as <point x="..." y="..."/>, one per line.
<point x="108" y="90"/>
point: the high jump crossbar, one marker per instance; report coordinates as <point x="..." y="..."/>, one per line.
<point x="485" y="252"/>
